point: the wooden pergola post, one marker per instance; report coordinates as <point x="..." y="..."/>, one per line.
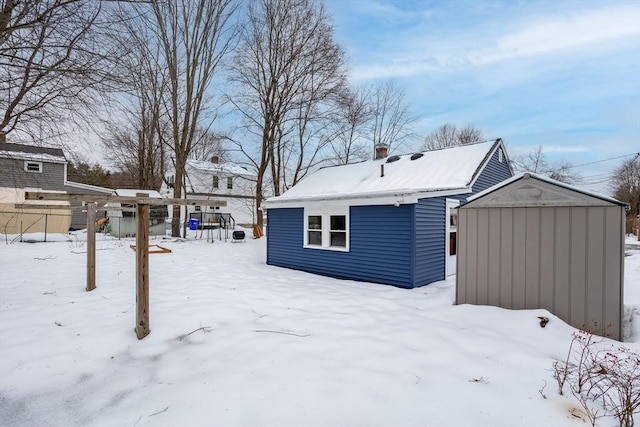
<point x="142" y="269"/>
<point x="142" y="202"/>
<point x="91" y="246"/>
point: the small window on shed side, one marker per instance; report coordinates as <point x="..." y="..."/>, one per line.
<point x="33" y="166"/>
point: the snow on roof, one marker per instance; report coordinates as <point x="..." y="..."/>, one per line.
<point x="226" y="168"/>
<point x="41" y="157"/>
<point x="528" y="175"/>
<point x="128" y="192"/>
<point x="438" y="170"/>
<point x="29" y="152"/>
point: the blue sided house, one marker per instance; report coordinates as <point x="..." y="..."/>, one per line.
<point x="390" y="220"/>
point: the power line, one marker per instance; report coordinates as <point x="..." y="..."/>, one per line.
<point x="604" y="160"/>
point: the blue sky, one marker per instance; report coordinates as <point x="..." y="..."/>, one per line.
<point x="561" y="74"/>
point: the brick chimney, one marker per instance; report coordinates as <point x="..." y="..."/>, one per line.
<point x="381" y="151"/>
<point x="214" y="159"/>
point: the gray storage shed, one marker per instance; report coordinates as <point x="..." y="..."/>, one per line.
<point x="531" y="242"/>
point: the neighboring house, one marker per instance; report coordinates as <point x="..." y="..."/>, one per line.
<point x="216" y="181"/>
<point x="26" y="167"/>
<point x="122" y="221"/>
<point x="532" y="242"/>
<point x="391" y="220"/>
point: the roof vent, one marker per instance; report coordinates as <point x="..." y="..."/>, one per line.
<point x="393" y="159"/>
<point x="417" y="156"/>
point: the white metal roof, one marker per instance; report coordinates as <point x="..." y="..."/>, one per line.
<point x="451" y="169"/>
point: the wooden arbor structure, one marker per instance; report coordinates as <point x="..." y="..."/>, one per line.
<point x="142" y="202"/>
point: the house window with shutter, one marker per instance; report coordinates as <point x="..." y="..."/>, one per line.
<point x="215" y="181"/>
<point x="230" y="183"/>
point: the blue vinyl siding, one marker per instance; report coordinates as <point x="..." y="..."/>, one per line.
<point x="381" y="245"/>
<point x="430" y="240"/>
<point x="493" y="173"/>
<point x="402" y="246"/>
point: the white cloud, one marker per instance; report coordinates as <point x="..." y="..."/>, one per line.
<point x="573" y="34"/>
<point x="557" y="34"/>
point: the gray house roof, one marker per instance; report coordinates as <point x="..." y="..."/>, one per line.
<point x="30" y="152"/>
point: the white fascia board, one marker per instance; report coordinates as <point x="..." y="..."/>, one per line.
<point x="400" y="197"/>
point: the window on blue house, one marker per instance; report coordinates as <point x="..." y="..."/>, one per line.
<point x="338" y="231"/>
<point x="327" y="230"/>
<point x="314" y="233"/>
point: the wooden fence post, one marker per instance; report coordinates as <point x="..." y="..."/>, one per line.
<point x="142" y="269"/>
<point x="91" y="246"/>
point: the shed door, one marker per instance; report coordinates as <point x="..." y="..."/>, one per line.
<point x="451" y="236"/>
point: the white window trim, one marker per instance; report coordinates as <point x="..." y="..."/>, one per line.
<point x="326" y="214"/>
<point x="28" y="162"/>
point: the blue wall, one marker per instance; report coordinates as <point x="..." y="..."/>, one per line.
<point x="402" y="246"/>
<point x="430" y="240"/>
<point x="493" y="173"/>
<point x="381" y="245"/>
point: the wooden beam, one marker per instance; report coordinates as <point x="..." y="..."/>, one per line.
<point x="142" y="271"/>
<point x="91" y="246"/>
<point x="97" y="198"/>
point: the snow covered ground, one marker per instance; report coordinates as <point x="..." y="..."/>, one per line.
<point x="235" y="342"/>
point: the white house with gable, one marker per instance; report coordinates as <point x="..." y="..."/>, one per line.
<point x="211" y="180"/>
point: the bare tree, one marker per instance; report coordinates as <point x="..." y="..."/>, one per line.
<point x="287" y="66"/>
<point x="391" y="121"/>
<point x="351" y="118"/>
<point x="208" y="145"/>
<point x="536" y="162"/>
<point x="449" y="135"/>
<point x="192" y="38"/>
<point x="625" y="183"/>
<point x="50" y="59"/>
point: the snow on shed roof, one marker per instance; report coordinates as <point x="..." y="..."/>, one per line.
<point x="439" y="170"/>
<point x="128" y="192"/>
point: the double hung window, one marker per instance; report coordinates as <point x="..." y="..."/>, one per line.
<point x="327" y="230"/>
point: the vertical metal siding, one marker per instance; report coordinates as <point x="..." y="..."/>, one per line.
<point x="532" y="260"/>
<point x="562" y="291"/>
<point x="482" y="245"/>
<point x="564" y="259"/>
<point x="381" y="239"/>
<point x="493" y="286"/>
<point x="577" y="270"/>
<point x="506" y="257"/>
